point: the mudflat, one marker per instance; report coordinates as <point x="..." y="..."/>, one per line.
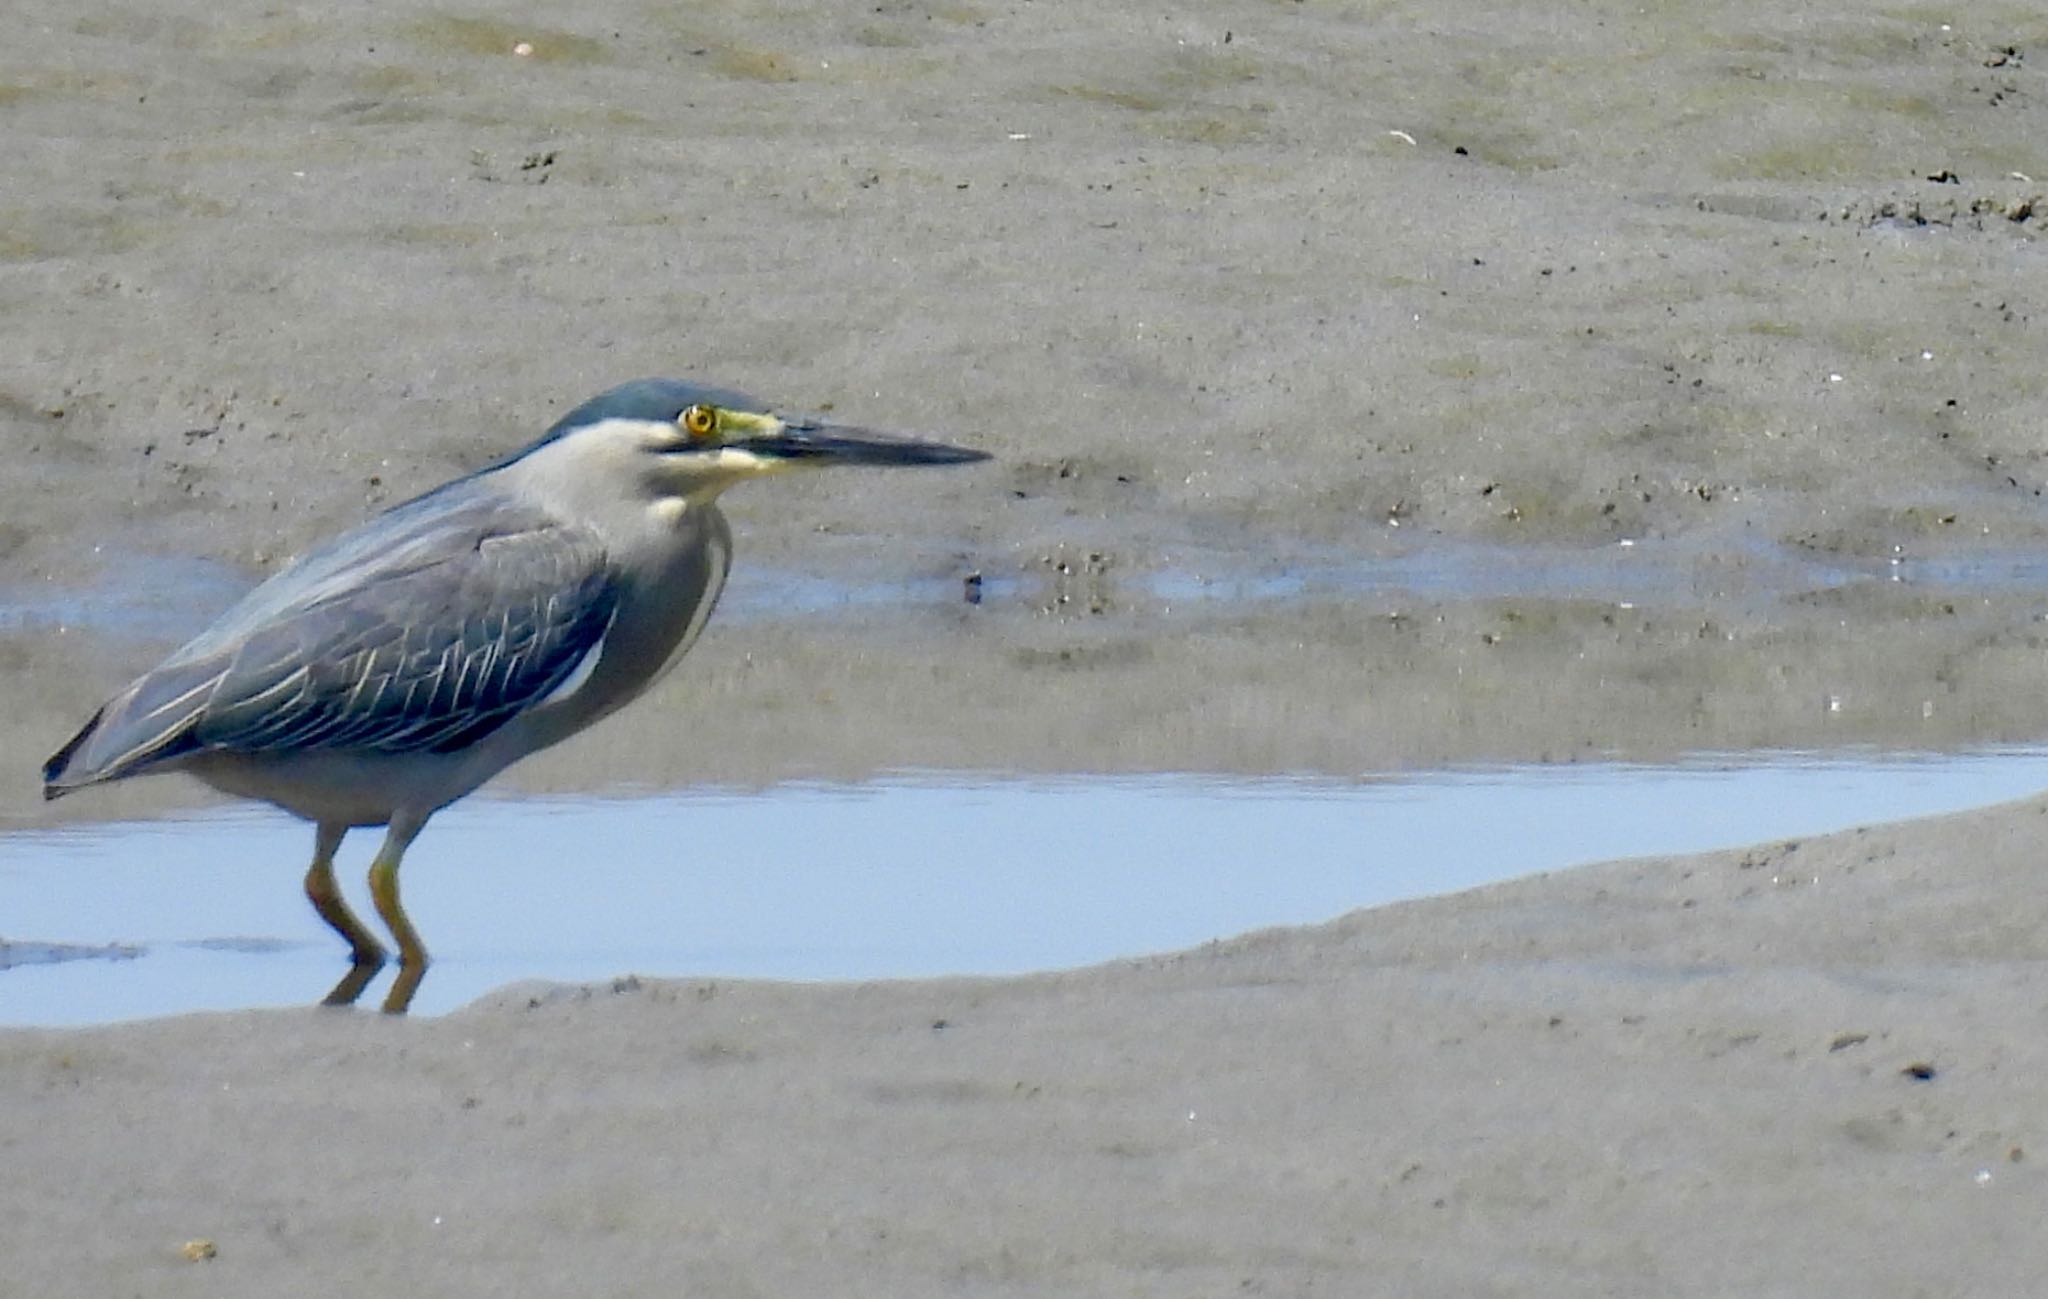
<point x="1373" y="387"/>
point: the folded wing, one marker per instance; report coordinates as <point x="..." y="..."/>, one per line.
<point x="423" y="632"/>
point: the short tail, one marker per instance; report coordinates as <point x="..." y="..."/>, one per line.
<point x="54" y="771"/>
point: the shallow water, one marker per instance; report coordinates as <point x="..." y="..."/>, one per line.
<point x="140" y="597"/>
<point x="159" y="598"/>
<point x="918" y="875"/>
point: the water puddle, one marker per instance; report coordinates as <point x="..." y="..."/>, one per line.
<point x="165" y="599"/>
<point x="141" y="597"/>
<point x="918" y="875"/>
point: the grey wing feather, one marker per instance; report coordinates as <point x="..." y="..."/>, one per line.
<point x="422" y="632"/>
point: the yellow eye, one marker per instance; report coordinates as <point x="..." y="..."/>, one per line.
<point x="699" y="421"/>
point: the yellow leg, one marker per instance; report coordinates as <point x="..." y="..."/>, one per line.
<point x="412" y="954"/>
<point x="366" y="954"/>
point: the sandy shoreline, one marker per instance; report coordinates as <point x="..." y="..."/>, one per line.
<point x="1699" y="1076"/>
<point x="1246" y="290"/>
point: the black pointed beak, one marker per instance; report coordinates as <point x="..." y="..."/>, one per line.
<point x="839" y="444"/>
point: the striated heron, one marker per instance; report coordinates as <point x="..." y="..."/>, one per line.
<point x="399" y="666"/>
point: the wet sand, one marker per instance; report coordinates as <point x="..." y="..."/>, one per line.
<point x="1233" y="293"/>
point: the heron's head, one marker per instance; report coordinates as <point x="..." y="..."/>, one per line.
<point x="688" y="441"/>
